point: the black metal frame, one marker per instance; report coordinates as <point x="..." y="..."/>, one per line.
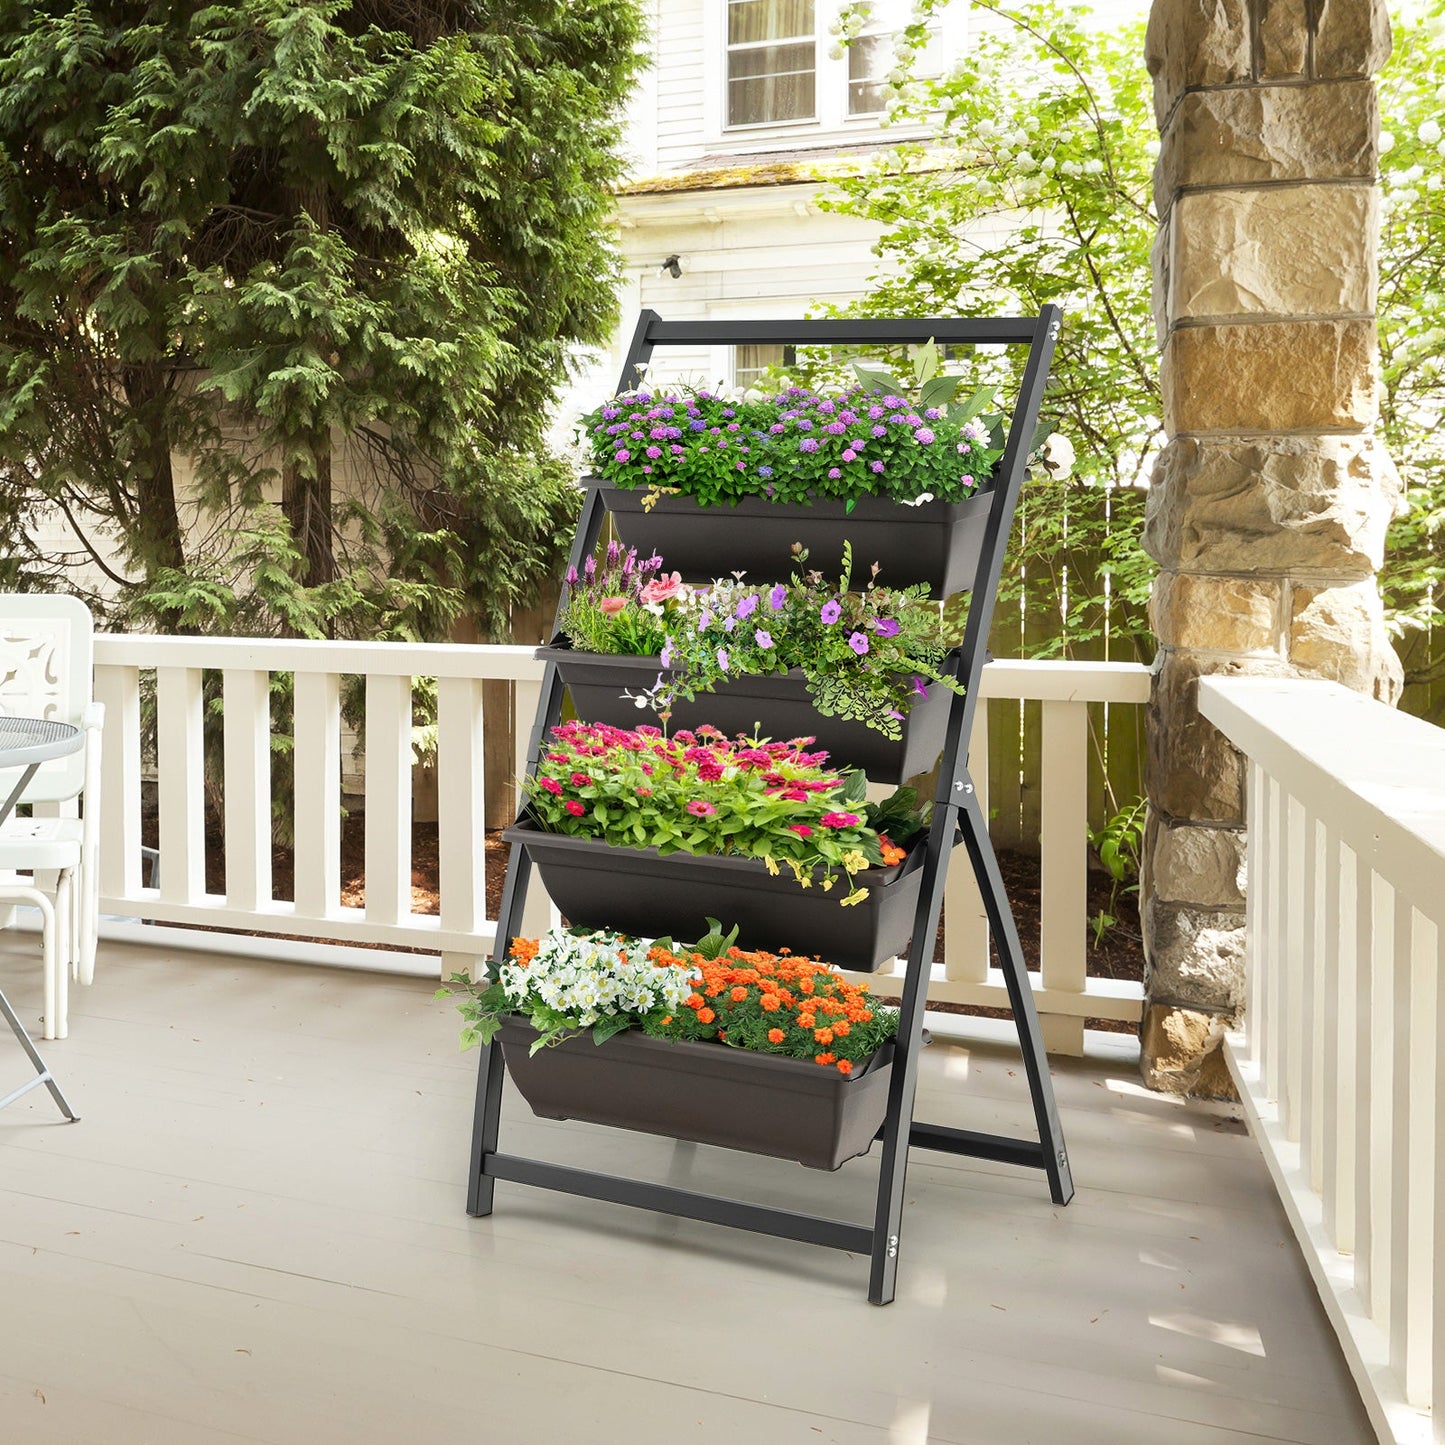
<point x="957" y="816"/>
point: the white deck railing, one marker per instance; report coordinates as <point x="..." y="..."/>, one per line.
<point x="463" y="933"/>
<point x="1337" y="1062"/>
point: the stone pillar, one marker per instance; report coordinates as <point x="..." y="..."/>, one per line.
<point x="1269" y="504"/>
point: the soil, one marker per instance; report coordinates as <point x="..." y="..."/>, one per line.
<point x="1116" y="953"/>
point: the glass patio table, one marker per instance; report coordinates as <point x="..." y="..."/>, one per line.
<point x="26" y="743"/>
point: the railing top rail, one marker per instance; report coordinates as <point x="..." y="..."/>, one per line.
<point x="987" y="331"/>
<point x="1375" y="776"/>
<point x="260" y="654"/>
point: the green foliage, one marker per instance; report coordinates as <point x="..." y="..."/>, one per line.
<point x="1412" y="339"/>
<point x="249" y="251"/>
<point x="1119" y="845"/>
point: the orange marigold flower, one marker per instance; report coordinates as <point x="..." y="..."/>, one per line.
<point x="805" y="985"/>
<point x="666" y="1021"/>
<point x="769" y="1003"/>
<point x="845" y="1066"/>
<point x="784" y="952"/>
<point x="823" y="1036"/>
<point x="738" y="994"/>
<point x="807" y="1021"/>
<point x="705" y="1015"/>
<point x="776" y="1036"/>
<point x="824" y="1059"/>
<point x="694" y="1000"/>
<point x="842" y="1029"/>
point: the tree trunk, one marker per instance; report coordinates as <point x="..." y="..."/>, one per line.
<point x="155" y="539"/>
<point x="306" y="503"/>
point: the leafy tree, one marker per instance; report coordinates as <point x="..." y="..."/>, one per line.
<point x="247" y="247"/>
<point x="1412" y="346"/>
<point x="1035" y="187"/>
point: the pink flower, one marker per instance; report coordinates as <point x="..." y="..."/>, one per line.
<point x="839" y="820"/>
<point x="580" y="780"/>
<point x="552" y="786"/>
<point x="801" y="829"/>
<point x="661" y="588"/>
<point x="611" y="606"/>
<point x="574" y="807"/>
<point x="858" y="643"/>
<point x="699" y="809"/>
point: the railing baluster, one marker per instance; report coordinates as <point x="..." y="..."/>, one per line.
<point x="1064" y="863"/>
<point x="388" y="798"/>
<point x="1379" y="1190"/>
<point x="965" y="934"/>
<point x="1338" y="1054"/>
<point x="316" y="772"/>
<point x="1297" y="919"/>
<point x="461" y="837"/>
<point x="246" y="729"/>
<point x="180" y="791"/>
<point x="1273" y="860"/>
<point x="538" y="914"/>
<point x="120" y="817"/>
<point x="1421" y="1144"/>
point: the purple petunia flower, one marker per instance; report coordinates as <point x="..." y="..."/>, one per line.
<point x="887" y="627"/>
<point x="777" y="597"/>
<point x="764" y="639"/>
<point x="920" y="687"/>
<point x="858" y="643"/>
<point x="722" y="658"/>
<point x="748" y="605"/>
<point x="831" y="612"/>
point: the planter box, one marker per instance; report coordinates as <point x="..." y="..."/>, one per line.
<point x="705" y="1093"/>
<point x="938" y="543"/>
<point x="779" y="704"/>
<point x="634" y="890"/>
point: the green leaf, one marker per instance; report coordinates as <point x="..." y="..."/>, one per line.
<point x="876" y="380"/>
<point x="855" y="789"/>
<point x="966" y="410"/>
<point x="938" y="391"/>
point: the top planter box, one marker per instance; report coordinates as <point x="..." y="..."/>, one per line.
<point x="937" y="543"/>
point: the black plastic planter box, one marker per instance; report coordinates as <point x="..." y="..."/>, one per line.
<point x="778" y="705"/>
<point x="937" y="543"/>
<point x="706" y="1093"/>
<point x="634" y="890"/>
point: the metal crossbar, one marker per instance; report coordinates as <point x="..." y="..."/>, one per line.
<point x="957" y="816"/>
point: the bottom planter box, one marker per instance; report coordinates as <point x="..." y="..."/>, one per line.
<point x="634" y="890"/>
<point x="705" y="1093"/>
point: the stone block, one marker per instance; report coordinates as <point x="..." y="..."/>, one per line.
<point x="1268" y="133"/>
<point x="1339" y="633"/>
<point x="1280" y="377"/>
<point x="1195" y="956"/>
<point x="1195" y="42"/>
<point x="1299" y="251"/>
<point x="1194" y="864"/>
<point x="1181" y="1052"/>
<point x="1352" y="37"/>
<point x="1159" y="262"/>
<point x="1284" y="34"/>
<point x="1191" y="770"/>
<point x="1279" y="504"/>
<point x="1208" y="613"/>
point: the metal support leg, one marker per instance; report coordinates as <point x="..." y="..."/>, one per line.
<point x="1020" y="993"/>
<point x="43" y="1075"/>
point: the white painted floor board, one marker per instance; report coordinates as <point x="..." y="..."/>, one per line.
<point x="257" y="1233"/>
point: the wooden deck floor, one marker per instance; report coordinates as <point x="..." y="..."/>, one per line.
<point x="257" y="1233"/>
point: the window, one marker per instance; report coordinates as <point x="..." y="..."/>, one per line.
<point x="751" y="362"/>
<point x="871" y="55"/>
<point x="772" y="61"/>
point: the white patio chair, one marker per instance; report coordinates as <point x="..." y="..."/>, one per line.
<point x="45" y="671"/>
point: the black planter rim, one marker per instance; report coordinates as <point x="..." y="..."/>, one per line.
<point x="802" y="1075"/>
<point x="526" y="830"/>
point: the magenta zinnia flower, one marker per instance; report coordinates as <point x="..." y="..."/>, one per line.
<point x="699" y="809"/>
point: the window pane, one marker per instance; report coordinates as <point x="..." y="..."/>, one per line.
<point x="869" y="59"/>
<point x="754" y="20"/>
<point x="750" y="362"/>
<point x="781" y="97"/>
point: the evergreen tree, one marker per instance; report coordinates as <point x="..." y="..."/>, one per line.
<point x="242" y="244"/>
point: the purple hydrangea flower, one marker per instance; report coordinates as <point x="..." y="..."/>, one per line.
<point x="831" y="612"/>
<point x="765" y="471"/>
<point x="834" y="474"/>
<point x="623" y="455"/>
<point x="876" y="467"/>
<point x="924" y="435"/>
<point x="808" y="444"/>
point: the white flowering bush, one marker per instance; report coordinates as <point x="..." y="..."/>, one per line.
<point x="572" y="982"/>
